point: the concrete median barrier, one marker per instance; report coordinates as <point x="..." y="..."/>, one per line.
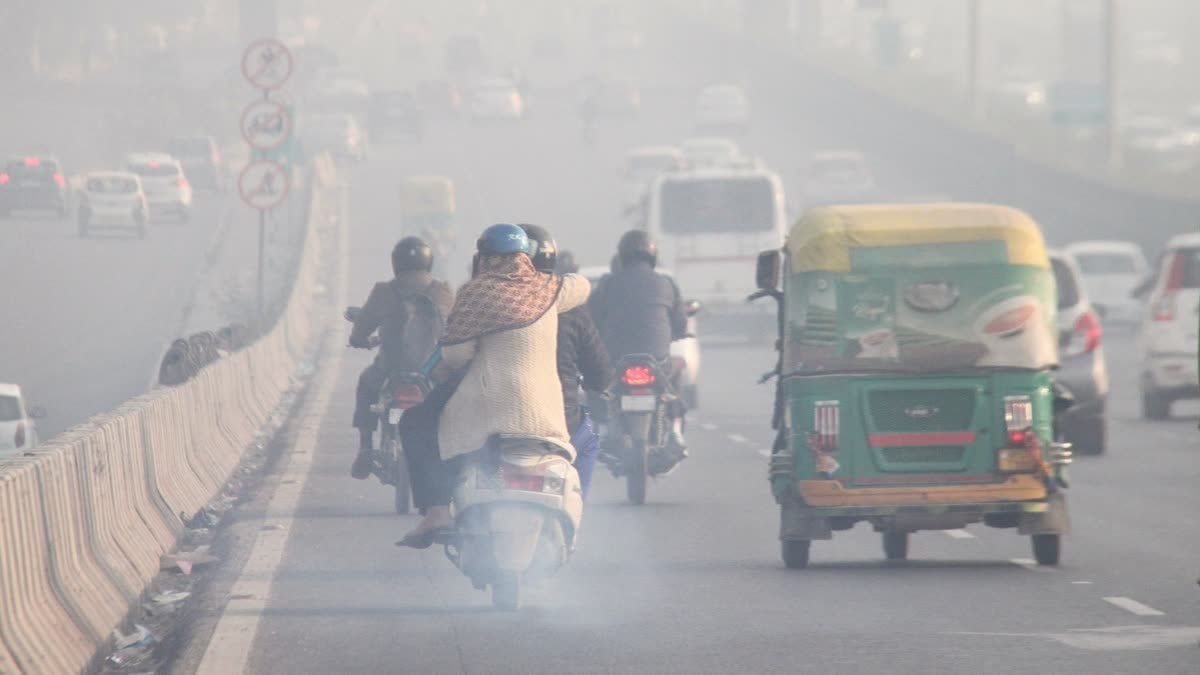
<point x="86" y="518"/>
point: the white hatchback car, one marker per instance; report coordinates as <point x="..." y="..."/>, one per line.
<point x="112" y="199"/>
<point x="17" y="429"/>
<point x="724" y="107"/>
<point x="1169" y="336"/>
<point x="1111" y="271"/>
<point x="164" y="183"/>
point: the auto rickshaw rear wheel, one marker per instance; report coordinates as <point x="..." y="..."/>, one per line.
<point x="795" y="553"/>
<point x="895" y="545"/>
<point x="1046" y="548"/>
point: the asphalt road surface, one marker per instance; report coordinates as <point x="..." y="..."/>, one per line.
<point x="692" y="582"/>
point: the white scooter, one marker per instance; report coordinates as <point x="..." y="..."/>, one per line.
<point x="518" y="504"/>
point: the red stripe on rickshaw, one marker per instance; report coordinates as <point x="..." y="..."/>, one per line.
<point x="930" y="438"/>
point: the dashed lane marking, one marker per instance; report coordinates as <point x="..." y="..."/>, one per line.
<point x="708" y="426"/>
<point x="1027" y="563"/>
<point x="737" y="438"/>
<point x="959" y="534"/>
<point x="765" y="452"/>
<point x="1132" y="606"/>
<point x="1081" y="583"/>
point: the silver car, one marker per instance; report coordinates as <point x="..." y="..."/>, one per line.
<point x="1082" y="369"/>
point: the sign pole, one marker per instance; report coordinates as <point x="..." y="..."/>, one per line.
<point x="262" y="239"/>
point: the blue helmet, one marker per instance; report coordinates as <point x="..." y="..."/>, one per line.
<point x="503" y="239"/>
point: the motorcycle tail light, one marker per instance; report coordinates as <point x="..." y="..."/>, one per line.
<point x="827" y="423"/>
<point x="407" y="396"/>
<point x="513" y="478"/>
<point x="638" y="376"/>
<point x="1018" y="418"/>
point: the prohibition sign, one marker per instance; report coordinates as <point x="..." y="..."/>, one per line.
<point x="263" y="184"/>
<point x="267" y="63"/>
<point x="266" y="125"/>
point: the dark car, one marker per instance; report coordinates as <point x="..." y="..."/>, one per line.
<point x="439" y="98"/>
<point x="36" y="183"/>
<point x="395" y="113"/>
<point x="201" y="160"/>
<point x="1082" y="368"/>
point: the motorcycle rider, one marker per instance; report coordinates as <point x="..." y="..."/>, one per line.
<point x="640" y="311"/>
<point x="581" y="356"/>
<point x="408" y="311"/>
<point x="501" y="337"/>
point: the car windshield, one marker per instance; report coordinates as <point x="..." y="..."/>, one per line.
<point x="1190" y="275"/>
<point x="189" y="147"/>
<point x="10" y="409"/>
<point x="111" y="185"/>
<point x="717" y="205"/>
<point x="154" y="169"/>
<point x="1106" y="263"/>
<point x="1064" y="280"/>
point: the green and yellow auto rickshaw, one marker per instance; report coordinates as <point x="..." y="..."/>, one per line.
<point x="914" y="377"/>
<point x="427" y="207"/>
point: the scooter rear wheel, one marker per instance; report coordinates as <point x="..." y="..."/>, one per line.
<point x="506" y="591"/>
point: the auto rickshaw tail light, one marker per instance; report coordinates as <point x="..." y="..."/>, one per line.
<point x="1018" y="414"/>
<point x="826" y="424"/>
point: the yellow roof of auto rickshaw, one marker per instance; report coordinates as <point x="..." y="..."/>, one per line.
<point x="823" y="237"/>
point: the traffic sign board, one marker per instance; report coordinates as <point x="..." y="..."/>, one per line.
<point x="266" y="125"/>
<point x="1079" y="103"/>
<point x="263" y="184"/>
<point x="267" y="63"/>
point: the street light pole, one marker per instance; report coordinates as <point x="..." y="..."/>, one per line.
<point x="973" y="59"/>
<point x="1112" y="84"/>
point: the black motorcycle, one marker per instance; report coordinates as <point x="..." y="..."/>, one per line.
<point x="642" y="425"/>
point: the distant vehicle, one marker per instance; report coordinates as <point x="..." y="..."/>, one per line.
<point x="1023" y="97"/>
<point x="35" y="183"/>
<point x="1158" y="144"/>
<point x="710" y="224"/>
<point x="164" y="183"/>
<point x="1111" y="271"/>
<point x="1170" y="330"/>
<point x="496" y="99"/>
<point x="643" y="165"/>
<point x="686" y="351"/>
<point x="438" y="98"/>
<point x="201" y="160"/>
<point x="112" y="199"/>
<point x="837" y="177"/>
<point x="1082" y="368"/>
<point x="395" y="113"/>
<point x="338" y="134"/>
<point x="18" y="432"/>
<point x="708" y="153"/>
<point x="617" y="99"/>
<point x="723" y="108"/>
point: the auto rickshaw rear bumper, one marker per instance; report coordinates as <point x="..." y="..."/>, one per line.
<point x="832" y="494"/>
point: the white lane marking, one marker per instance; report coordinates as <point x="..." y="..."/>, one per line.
<point x="737" y="438"/>
<point x="959" y="534"/>
<point x="1132" y="606"/>
<point x="228" y="650"/>
<point x="765" y="452"/>
<point x="708" y="426"/>
<point x="1081" y="583"/>
<point x="1027" y="563"/>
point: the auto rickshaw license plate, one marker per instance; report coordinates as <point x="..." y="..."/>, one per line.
<point x="637" y="403"/>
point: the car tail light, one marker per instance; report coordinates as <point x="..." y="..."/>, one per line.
<point x="827" y="424"/>
<point x="19" y="436"/>
<point x="408" y="396"/>
<point x="60" y="179"/>
<point x="1164" y="307"/>
<point x="1018" y="419"/>
<point x="181" y="182"/>
<point x="154" y="164"/>
<point x="32" y="161"/>
<point x="638" y="376"/>
<point x="1085" y="337"/>
<point x="3" y="179"/>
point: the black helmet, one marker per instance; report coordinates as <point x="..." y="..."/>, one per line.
<point x="545" y="251"/>
<point x="637" y="245"/>
<point x="412" y="253"/>
<point x="566" y="263"/>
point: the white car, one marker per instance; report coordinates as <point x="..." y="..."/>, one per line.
<point x="710" y="153"/>
<point x="643" y="165"/>
<point x="723" y="107"/>
<point x="1111" y="271"/>
<point x="836" y="177"/>
<point x="18" y="432"/>
<point x="112" y="199"/>
<point x="496" y="100"/>
<point x="336" y="133"/>
<point x="686" y="350"/>
<point x="163" y="182"/>
<point x="1170" y="330"/>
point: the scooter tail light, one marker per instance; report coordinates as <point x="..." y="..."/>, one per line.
<point x="1018" y="418"/>
<point x="638" y="376"/>
<point x="827" y="424"/>
<point x="513" y="478"/>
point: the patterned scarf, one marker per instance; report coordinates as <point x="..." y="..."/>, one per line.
<point x="506" y="294"/>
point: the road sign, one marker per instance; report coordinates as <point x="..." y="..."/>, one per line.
<point x="266" y="125"/>
<point x="263" y="184"/>
<point x="267" y="64"/>
<point x="1079" y="104"/>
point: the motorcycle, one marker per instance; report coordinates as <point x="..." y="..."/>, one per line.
<point x="518" y="503"/>
<point x="401" y="390"/>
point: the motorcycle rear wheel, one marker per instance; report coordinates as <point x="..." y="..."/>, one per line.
<point x="506" y="591"/>
<point x="400" y="482"/>
<point x="635" y="471"/>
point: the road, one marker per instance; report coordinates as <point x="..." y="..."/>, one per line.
<point x="692" y="581"/>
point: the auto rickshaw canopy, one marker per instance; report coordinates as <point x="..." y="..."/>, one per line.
<point x="826" y="238"/>
<point x="427" y="195"/>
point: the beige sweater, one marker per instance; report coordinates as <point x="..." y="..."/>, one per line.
<point x="511" y="385"/>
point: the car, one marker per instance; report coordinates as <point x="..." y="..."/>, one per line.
<point x="685" y="352"/>
<point x="395" y="113"/>
<point x="1158" y="144"/>
<point x="723" y="107"/>
<point x="34" y="183"/>
<point x="707" y="153"/>
<point x="617" y="99"/>
<point x="1170" y="328"/>
<point x="18" y="431"/>
<point x="201" y="160"/>
<point x="112" y="199"/>
<point x="1082" y="369"/>
<point x="336" y="133"/>
<point x="496" y="99"/>
<point x="837" y="177"/>
<point x="1111" y="271"/>
<point x="438" y="98"/>
<point x="164" y="183"/>
<point x="643" y="165"/>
